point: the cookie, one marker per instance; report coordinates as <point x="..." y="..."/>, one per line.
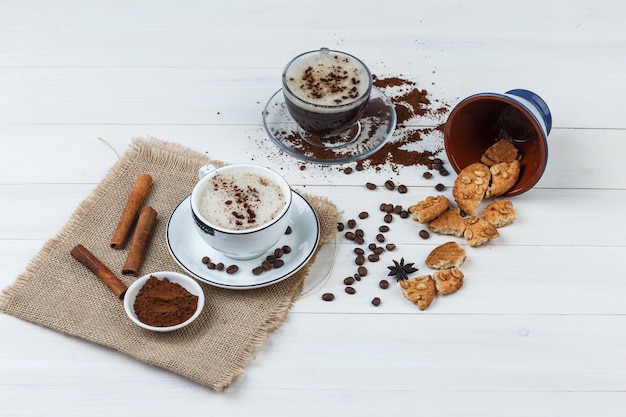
<point x="470" y="187"/>
<point x="446" y="256"/>
<point x="501" y="151"/>
<point x="504" y="175"/>
<point x="429" y="209"/>
<point x="450" y="222"/>
<point x="419" y="290"/>
<point x="448" y="281"/>
<point x="499" y="212"/>
<point x="479" y="231"/>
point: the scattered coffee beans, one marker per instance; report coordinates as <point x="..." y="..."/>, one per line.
<point x="328" y="296"/>
<point x="364" y="215"/>
<point x="232" y="269"/>
<point x="388" y="218"/>
<point x="424" y="234"/>
<point x="390" y="185"/>
<point x="384" y="284"/>
<point x="350" y="290"/>
<point x="402" y="189"/>
<point x="370" y="186"/>
<point x="348" y="280"/>
<point x="383" y="229"/>
<point x="376" y="301"/>
<point x="440" y="187"/>
<point x="351" y="223"/>
<point x="206" y="260"/>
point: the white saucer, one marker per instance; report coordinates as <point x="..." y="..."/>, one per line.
<point x="376" y="127"/>
<point x="188" y="248"/>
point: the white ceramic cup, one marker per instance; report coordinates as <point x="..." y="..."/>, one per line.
<point x="254" y="240"/>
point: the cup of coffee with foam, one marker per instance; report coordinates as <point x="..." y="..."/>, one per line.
<point x="241" y="210"/>
<point x="326" y="93"/>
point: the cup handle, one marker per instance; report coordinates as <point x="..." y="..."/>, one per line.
<point x="205" y="170"/>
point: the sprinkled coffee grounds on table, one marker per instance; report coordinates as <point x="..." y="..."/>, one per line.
<point x="162" y="303"/>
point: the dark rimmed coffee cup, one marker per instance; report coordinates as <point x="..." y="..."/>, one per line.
<point x="326" y="91"/>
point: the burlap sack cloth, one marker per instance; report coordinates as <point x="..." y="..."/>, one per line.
<point x="58" y="292"/>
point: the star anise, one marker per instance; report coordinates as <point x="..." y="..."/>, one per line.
<point x="400" y="270"/>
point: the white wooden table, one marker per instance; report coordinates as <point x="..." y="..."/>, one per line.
<point x="539" y="329"/>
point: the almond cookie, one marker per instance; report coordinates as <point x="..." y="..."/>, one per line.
<point x="479" y="231"/>
<point x="501" y="151"/>
<point x="504" y="175"/>
<point x="448" y="281"/>
<point x="450" y="222"/>
<point x="419" y="290"/>
<point x="446" y="256"/>
<point x="429" y="209"/>
<point x="500" y="213"/>
<point x="470" y="186"/>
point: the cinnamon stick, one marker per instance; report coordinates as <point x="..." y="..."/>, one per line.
<point x="134" y="202"/>
<point x="100" y="270"/>
<point x="139" y="242"/>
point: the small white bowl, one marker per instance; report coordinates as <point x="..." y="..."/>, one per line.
<point x="183" y="280"/>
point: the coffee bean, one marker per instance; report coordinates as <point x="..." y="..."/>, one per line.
<point x="402" y="189"/>
<point x="359" y="251"/>
<point x="347" y="171"/>
<point x="359" y="240"/>
<point x="348" y="280"/>
<point x="359" y="232"/>
<point x="219" y="266"/>
<point x="364" y="215"/>
<point x="232" y="269"/>
<point x="388" y="218"/>
<point x="359" y="260"/>
<point x="210" y="265"/>
<point x="266" y="265"/>
<point x="376" y="301"/>
<point x="351" y="223"/>
<point x="380" y="237"/>
<point x="390" y="246"/>
<point x="397" y="209"/>
<point x="271" y="258"/>
<point x="370" y="186"/>
<point x="359" y="166"/>
<point x="427" y="175"/>
<point x="328" y="296"/>
<point x="383" y="229"/>
<point x="258" y="270"/>
<point x="206" y="260"/>
<point x="340" y="227"/>
<point x="357" y="277"/>
<point x="278" y="252"/>
<point x="440" y="187"/>
<point x="362" y="271"/>
<point x="350" y="290"/>
<point x="388" y="208"/>
<point x="350" y="235"/>
<point x="404" y="214"/>
<point x="384" y="284"/>
<point x="444" y="172"/>
<point x="390" y="185"/>
<point x="424" y="234"/>
<point x="383" y="206"/>
<point x="379" y="250"/>
<point x="437" y="166"/>
<point x="286" y="249"/>
<point x="437" y="161"/>
<point x="372" y="257"/>
<point x="288" y="231"/>
<point x="279" y="263"/>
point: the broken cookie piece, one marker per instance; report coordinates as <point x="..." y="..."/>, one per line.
<point x="450" y="222"/>
<point x="479" y="231"/>
<point x="448" y="281"/>
<point x="504" y="175"/>
<point x="470" y="187"/>
<point x="447" y="255"/>
<point x="501" y="151"/>
<point x="500" y="213"/>
<point x="429" y="209"/>
<point x="419" y="290"/>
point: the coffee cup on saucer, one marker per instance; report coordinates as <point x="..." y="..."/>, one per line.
<point x="241" y="210"/>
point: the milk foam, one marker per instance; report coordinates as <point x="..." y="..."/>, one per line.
<point x="327" y="78"/>
<point x="240" y="200"/>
